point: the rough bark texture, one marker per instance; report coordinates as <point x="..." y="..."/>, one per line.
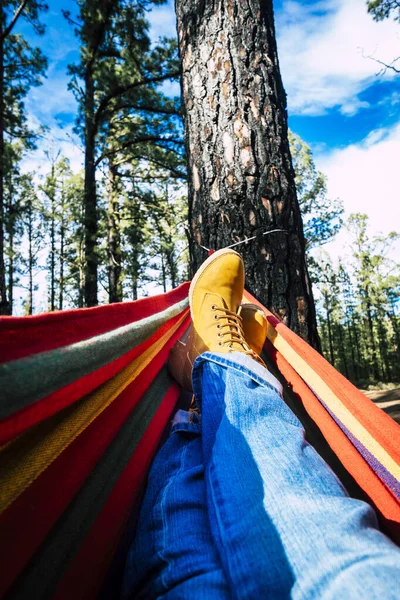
<point x="31" y="260"/>
<point x="241" y="180"/>
<point x="114" y="238"/>
<point x="52" y="197"/>
<point x="90" y="216"/>
<point x="62" y="245"/>
<point x="5" y="308"/>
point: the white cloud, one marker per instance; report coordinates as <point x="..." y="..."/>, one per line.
<point x="59" y="139"/>
<point x="162" y="21"/>
<point x="322" y="48"/>
<point x="366" y="177"/>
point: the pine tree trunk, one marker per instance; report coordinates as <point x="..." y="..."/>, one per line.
<point x="114" y="239"/>
<point x="30" y="257"/>
<point x="90" y="200"/>
<point x="62" y="244"/>
<point x="240" y="176"/>
<point x="328" y="320"/>
<point x="375" y="368"/>
<point x="5" y="308"/>
<point x="81" y="275"/>
<point x="11" y="271"/>
<point x="52" y="241"/>
<point x="134" y="288"/>
<point x="353" y="358"/>
<point x="9" y="228"/>
<point x="343" y="351"/>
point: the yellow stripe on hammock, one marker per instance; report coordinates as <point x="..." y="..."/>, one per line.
<point x="334" y="404"/>
<point x="33" y="452"/>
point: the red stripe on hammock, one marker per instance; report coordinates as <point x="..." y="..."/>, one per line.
<point x="86" y="573"/>
<point x="25" y="524"/>
<point x="383" y="500"/>
<point x="382" y="427"/>
<point x="22" y="336"/>
<point x="30" y="415"/>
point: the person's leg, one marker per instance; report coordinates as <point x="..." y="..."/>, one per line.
<point x="281" y="520"/>
<point x="173" y="555"/>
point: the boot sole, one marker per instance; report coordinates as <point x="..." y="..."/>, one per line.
<point x="204" y="268"/>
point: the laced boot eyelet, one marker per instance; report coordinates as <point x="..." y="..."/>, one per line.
<point x="213" y="307"/>
<point x="220" y="343"/>
<point x="216" y="317"/>
<point x="219" y="335"/>
<point x="218" y="326"/>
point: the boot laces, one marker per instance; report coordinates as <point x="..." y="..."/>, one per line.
<point x="230" y="326"/>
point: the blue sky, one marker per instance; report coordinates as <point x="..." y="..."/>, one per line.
<point x="349" y="115"/>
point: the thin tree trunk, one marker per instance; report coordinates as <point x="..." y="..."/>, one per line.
<point x="5" y="308"/>
<point x="343" y="351"/>
<point x="163" y="270"/>
<point x="328" y="320"/>
<point x="353" y="358"/>
<point x="81" y="290"/>
<point x="90" y="200"/>
<point x="240" y="175"/>
<point x="134" y="288"/>
<point x="386" y="371"/>
<point x="11" y="270"/>
<point x="10" y="229"/>
<point x="62" y="243"/>
<point x="52" y="240"/>
<point x="30" y="256"/>
<point x="114" y="238"/>
<point x="375" y="367"/>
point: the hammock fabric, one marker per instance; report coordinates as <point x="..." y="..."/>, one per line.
<point x="85" y="398"/>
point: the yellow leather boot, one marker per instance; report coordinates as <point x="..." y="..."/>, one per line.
<point x="255" y="326"/>
<point x="215" y="295"/>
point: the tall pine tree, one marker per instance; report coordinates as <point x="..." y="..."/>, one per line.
<point x="21" y="67"/>
<point x="116" y="65"/>
<point x="241" y="180"/>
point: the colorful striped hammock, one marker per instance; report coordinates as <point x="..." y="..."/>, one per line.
<point x="86" y="397"/>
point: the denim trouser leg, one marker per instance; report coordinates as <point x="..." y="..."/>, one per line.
<point x="248" y="509"/>
<point x="282" y="522"/>
<point x="173" y="555"/>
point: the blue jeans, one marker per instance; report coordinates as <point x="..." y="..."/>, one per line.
<point x="239" y="505"/>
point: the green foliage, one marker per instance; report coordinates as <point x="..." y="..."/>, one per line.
<point x="128" y="111"/>
<point x="153" y="225"/>
<point x="123" y="116"/>
<point x="24" y="67"/>
<point x="322" y="216"/>
<point x="21" y="67"/>
<point x="32" y="224"/>
<point x="383" y="9"/>
<point x="359" y="306"/>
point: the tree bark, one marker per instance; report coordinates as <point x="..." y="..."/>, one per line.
<point x="375" y="367"/>
<point x="329" y="325"/>
<point x="343" y="351"/>
<point x="9" y="229"/>
<point x="52" y="191"/>
<point x="240" y="175"/>
<point x="5" y="308"/>
<point x="114" y="239"/>
<point x="62" y="244"/>
<point x="30" y="257"/>
<point x="90" y="200"/>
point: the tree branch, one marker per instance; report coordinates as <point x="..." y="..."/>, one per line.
<point x="118" y="91"/>
<point x="150" y="109"/>
<point x="384" y="65"/>
<point x="15" y="18"/>
<point x="138" y="140"/>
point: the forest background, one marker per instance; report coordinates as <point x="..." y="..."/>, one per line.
<point x="340" y="67"/>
